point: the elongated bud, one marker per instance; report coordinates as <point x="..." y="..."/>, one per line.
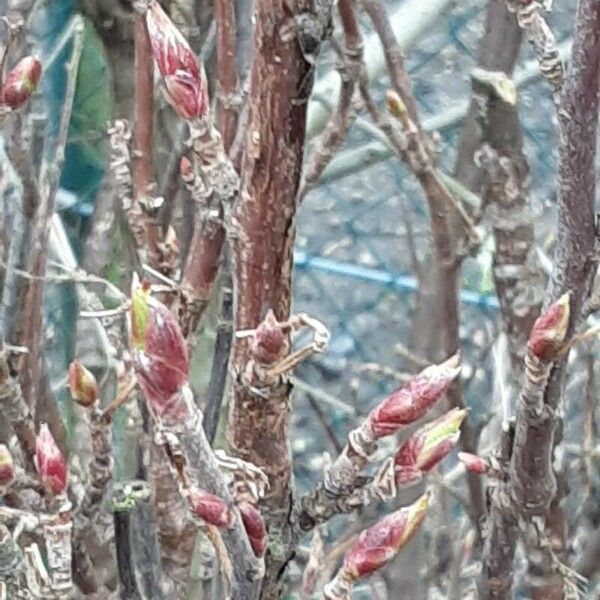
<point x="428" y="446"/>
<point x="83" y="385"/>
<point x="474" y="463"/>
<point x="378" y="545"/>
<point x="269" y="342"/>
<point x="49" y="462"/>
<point x="255" y="527"/>
<point x="550" y="330"/>
<point x="183" y="75"/>
<point x="21" y="82"/>
<point x="160" y="353"/>
<point x="210" y="508"/>
<point x="395" y="104"/>
<point x="413" y="400"/>
<point x="7" y="467"/>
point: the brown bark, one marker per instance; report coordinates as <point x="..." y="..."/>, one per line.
<point x="143" y="130"/>
<point x="281" y="81"/>
<point x="517" y="274"/>
<point x="227" y="92"/>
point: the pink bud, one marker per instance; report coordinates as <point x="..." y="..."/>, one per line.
<point x="377" y="545"/>
<point x="255" y="528"/>
<point x="210" y="508"/>
<point x="474" y="463"/>
<point x="21" y="82"/>
<point x="413" y="400"/>
<point x="427" y="447"/>
<point x="183" y="75"/>
<point x="269" y="342"/>
<point x="549" y="331"/>
<point x="185" y="168"/>
<point x="49" y="462"/>
<point x="160" y="353"/>
<point x="83" y="385"/>
<point x="7" y="467"/>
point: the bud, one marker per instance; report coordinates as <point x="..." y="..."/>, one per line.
<point x="7" y="467"/>
<point x="413" y="400"/>
<point x="549" y="331"/>
<point x="210" y="508"/>
<point x="427" y="447"/>
<point x="84" y="389"/>
<point x="185" y="168"/>
<point x="183" y="75"/>
<point x="21" y="81"/>
<point x="269" y="342"/>
<point x="378" y="545"/>
<point x="49" y="462"/>
<point x="255" y="527"/>
<point x="160" y="352"/>
<point x="474" y="463"/>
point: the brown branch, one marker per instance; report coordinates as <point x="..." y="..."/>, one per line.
<point x="393" y="54"/>
<point x="143" y="129"/>
<point x="336" y="130"/>
<point x="16" y="411"/>
<point x="517" y="275"/>
<point x="227" y="94"/>
<point x="280" y="84"/>
<point x="31" y="316"/>
<point x="213" y="184"/>
<point x="532" y="483"/>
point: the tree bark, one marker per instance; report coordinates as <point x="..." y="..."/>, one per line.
<point x="280" y="83"/>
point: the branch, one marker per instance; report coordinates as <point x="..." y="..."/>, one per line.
<point x="532" y="481"/>
<point x="517" y="275"/>
<point x="281" y="81"/>
<point x="227" y="94"/>
<point x="336" y="130"/>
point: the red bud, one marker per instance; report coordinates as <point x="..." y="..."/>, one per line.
<point x="7" y="467"/>
<point x="185" y="167"/>
<point x="210" y="508"/>
<point x="549" y="331"/>
<point x="255" y="528"/>
<point x="21" y="82"/>
<point x="427" y="447"/>
<point x="269" y="341"/>
<point x="413" y="400"/>
<point x="83" y="385"/>
<point x="161" y="358"/>
<point x="183" y="75"/>
<point x="377" y="545"/>
<point x="49" y="462"/>
<point x="474" y="463"/>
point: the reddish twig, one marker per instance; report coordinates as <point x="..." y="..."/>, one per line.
<point x="229" y="100"/>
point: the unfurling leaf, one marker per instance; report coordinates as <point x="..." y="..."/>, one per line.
<point x="428" y="446"/>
